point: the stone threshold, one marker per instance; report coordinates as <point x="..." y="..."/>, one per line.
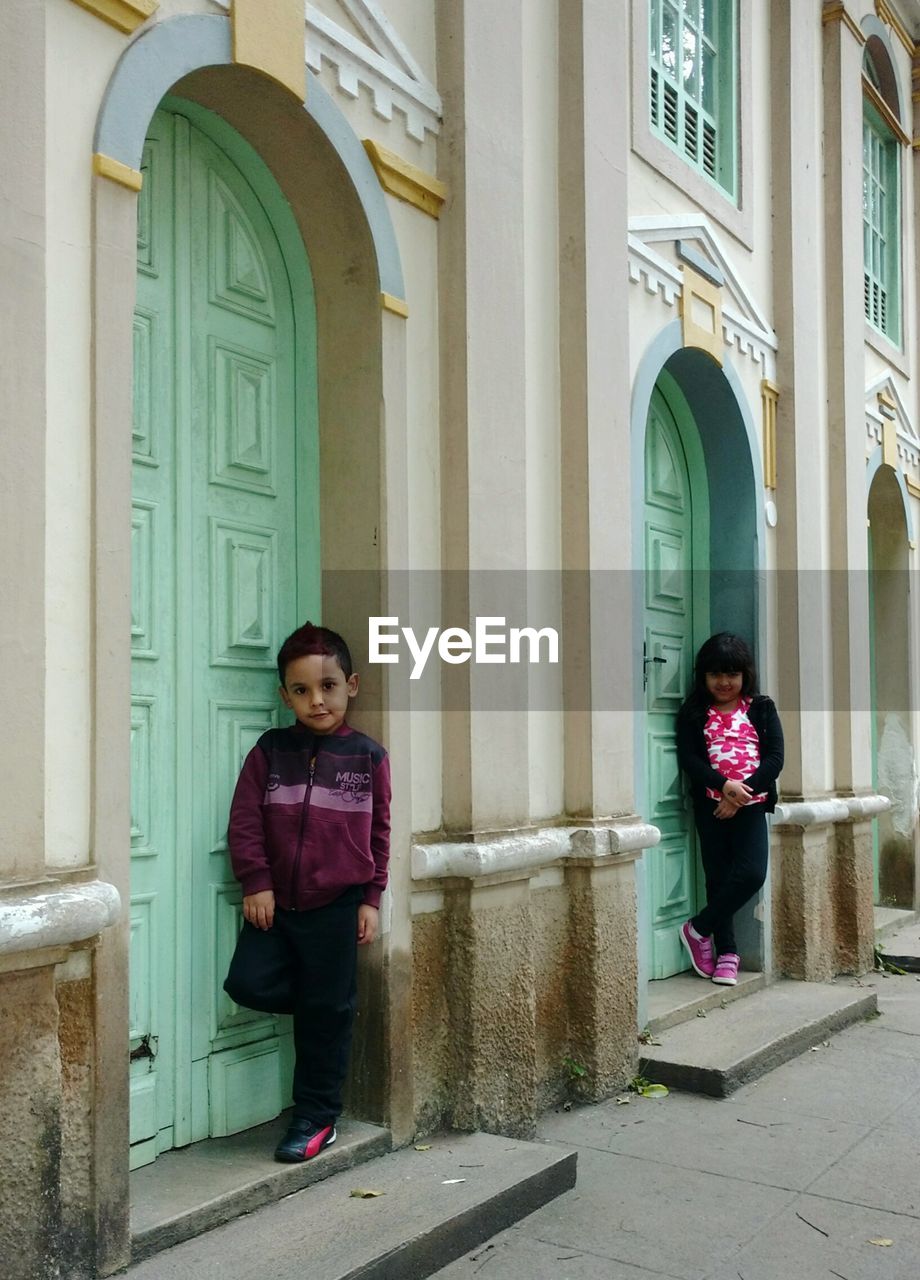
<point x="674" y="1000"/>
<point x="196" y="1188"/>
<point x="431" y="1204"/>
<point x="889" y="920"/>
<point x="745" y="1039"/>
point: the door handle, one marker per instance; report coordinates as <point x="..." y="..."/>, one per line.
<point x="646" y="660"/>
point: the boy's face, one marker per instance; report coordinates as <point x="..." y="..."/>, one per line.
<point x="316" y="690"/>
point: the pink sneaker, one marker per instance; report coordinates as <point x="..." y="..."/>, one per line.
<point x="699" y="950"/>
<point x="727" y="969"/>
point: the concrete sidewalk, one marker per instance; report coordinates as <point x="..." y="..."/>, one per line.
<point x="791" y="1178"/>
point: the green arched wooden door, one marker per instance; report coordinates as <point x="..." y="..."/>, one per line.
<point x="225" y="562"/>
<point x="668" y="641"/>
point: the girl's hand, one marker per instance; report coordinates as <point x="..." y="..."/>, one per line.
<point x="259" y="909"/>
<point x="726" y="809"/>
<point x="367" y="924"/>
<point x="737" y="792"/>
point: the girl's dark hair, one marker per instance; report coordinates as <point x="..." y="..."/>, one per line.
<point x="721" y="652"/>
<point x="309" y="639"/>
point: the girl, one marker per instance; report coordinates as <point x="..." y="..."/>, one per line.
<point x="730" y="745"/>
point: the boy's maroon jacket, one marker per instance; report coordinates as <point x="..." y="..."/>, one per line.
<point x="311" y="816"/>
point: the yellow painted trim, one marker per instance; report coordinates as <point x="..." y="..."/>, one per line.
<point x="891" y="19"/>
<point x="269" y="35"/>
<point x="916" y="144"/>
<point x="912" y="487"/>
<point x="836" y="11"/>
<point x="126" y="15"/>
<point x="887" y="402"/>
<point x="769" y="397"/>
<point x="882" y="107"/>
<point x="890" y="444"/>
<point x="398" y="306"/>
<point x="698" y="289"/>
<point x="123" y="174"/>
<point x="406" y="181"/>
<point x="912" y="544"/>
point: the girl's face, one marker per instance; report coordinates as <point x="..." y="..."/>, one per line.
<point x="724" y="687"/>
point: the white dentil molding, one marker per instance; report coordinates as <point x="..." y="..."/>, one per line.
<point x="659" y="276"/>
<point x="383" y="65"/>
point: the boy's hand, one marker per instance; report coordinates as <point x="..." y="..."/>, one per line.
<point x="367" y="923"/>
<point x="259" y="909"/>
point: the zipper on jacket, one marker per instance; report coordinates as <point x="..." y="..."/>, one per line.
<point x="295" y="870"/>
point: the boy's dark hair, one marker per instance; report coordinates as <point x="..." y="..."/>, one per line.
<point x="310" y="639"/>
<point x="721" y="652"/>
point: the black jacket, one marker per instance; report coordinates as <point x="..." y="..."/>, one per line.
<point x="693" y="756"/>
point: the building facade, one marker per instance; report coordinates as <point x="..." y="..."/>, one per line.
<point x="593" y="318"/>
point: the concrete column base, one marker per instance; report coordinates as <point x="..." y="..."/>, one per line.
<point x="852" y="888"/>
<point x="492" y="1071"/>
<point x="30" y="1103"/>
<point x="602" y="978"/>
<point x="822" y="900"/>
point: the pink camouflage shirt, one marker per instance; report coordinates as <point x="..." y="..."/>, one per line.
<point x="733" y="746"/>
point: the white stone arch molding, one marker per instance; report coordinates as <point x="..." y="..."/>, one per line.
<point x="873" y="464"/>
<point x="176" y="47"/>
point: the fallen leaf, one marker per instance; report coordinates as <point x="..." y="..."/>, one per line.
<point x="881" y="1241"/>
<point x="654" y="1091"/>
<point x="701" y="1013"/>
<point x="423" y="1146"/>
<point x="449" y="1182"/>
<point x="365" y="1193"/>
<point x="623" y="1102"/>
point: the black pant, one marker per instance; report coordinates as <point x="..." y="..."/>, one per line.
<point x="734" y="852"/>
<point x="306" y="965"/>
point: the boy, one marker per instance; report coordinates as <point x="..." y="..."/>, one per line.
<point x="309" y="840"/>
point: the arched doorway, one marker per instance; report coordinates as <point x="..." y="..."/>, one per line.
<point x="699" y="521"/>
<point x="225" y="538"/>
<point x="676" y="555"/>
<point x="893" y="766"/>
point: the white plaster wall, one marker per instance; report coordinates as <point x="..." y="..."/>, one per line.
<point x="417" y="235"/>
<point x="542" y="389"/>
<point x="75" y="39"/>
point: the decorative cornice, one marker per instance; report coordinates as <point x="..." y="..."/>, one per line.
<point x="406" y="181"/>
<point x="123" y="174"/>
<point x="398" y="306"/>
<point x="662" y="278"/>
<point x="836" y="11"/>
<point x="57" y="917"/>
<point x="530" y="851"/>
<point x="356" y="63"/>
<point x="885" y="111"/>
<point x="890" y="18"/>
<point x="389" y="71"/>
<point x="912" y="487"/>
<point x="126" y="15"/>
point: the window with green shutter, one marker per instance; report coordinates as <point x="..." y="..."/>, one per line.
<point x="881" y="213"/>
<point x="693" y="96"/>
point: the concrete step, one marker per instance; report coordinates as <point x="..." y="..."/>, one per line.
<point x="889" y="920"/>
<point x="729" y="1046"/>
<point x="195" y="1188"/>
<point x="435" y="1205"/>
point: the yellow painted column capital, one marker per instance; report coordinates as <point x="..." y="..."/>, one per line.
<point x="836" y="11"/>
<point x="125" y="15"/>
<point x="270" y="36"/>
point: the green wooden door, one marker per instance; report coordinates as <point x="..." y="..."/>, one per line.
<point x="668" y="660"/>
<point x="222" y="532"/>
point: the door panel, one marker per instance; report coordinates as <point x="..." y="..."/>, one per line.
<point x="668" y="640"/>
<point x="215" y="591"/>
